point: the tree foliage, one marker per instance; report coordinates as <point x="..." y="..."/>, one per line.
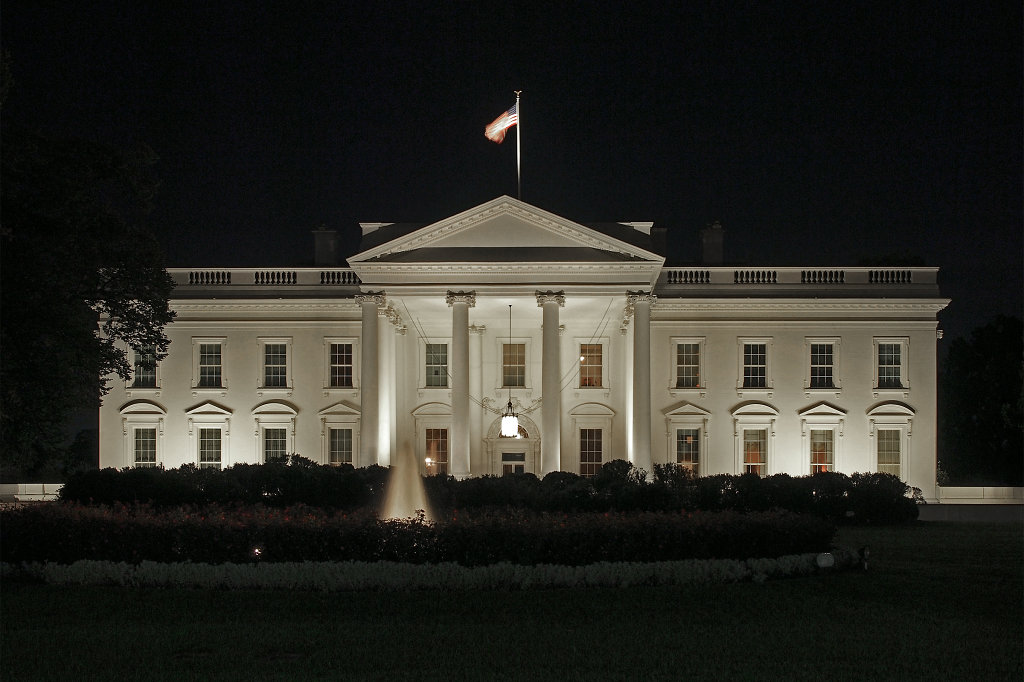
<point x="980" y="406"/>
<point x="82" y="280"/>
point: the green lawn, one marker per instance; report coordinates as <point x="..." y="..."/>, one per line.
<point x="939" y="600"/>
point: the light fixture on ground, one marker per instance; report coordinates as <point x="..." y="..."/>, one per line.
<point x="509" y="420"/>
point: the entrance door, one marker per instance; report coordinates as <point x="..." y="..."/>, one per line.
<point x="513" y="463"/>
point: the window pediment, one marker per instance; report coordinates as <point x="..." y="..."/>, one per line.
<point x="891" y="408"/>
<point x="687" y="409"/>
<point x="274" y="407"/>
<point x="142" y="407"/>
<point x="822" y="409"/>
<point x="339" y="409"/>
<point x="755" y="409"/>
<point x="592" y="410"/>
<point x="208" y="407"/>
<point x="433" y="410"/>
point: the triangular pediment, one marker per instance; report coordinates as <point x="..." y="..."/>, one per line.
<point x="501" y="230"/>
<point x="208" y="407"/>
<point x="339" y="408"/>
<point x="686" y="409"/>
<point x="822" y="409"/>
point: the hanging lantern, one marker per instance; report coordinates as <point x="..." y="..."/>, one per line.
<point x="509" y="420"/>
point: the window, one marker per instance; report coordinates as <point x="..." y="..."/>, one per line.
<point x="339" y="447"/>
<point x="688" y="365"/>
<point x="755" y="365"/>
<point x="513" y="462"/>
<point x="688" y="449"/>
<point x="275" y="443"/>
<point x="437" y="365"/>
<point x="341" y="365"/>
<point x="890" y="364"/>
<point x="591" y="365"/>
<point x="821" y="366"/>
<point x="144" y="447"/>
<point x="755" y="451"/>
<point x="275" y="365"/>
<point x="210" y="365"/>
<point x="513" y="365"/>
<point x="209" y="448"/>
<point x="437" y="452"/>
<point x="144" y="375"/>
<point x="889" y="442"/>
<point x="590" y="451"/>
<point x="822" y="450"/>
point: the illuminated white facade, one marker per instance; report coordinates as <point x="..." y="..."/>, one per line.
<point x="609" y="355"/>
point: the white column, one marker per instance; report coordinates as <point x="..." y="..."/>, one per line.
<point x="458" y="364"/>
<point x="641" y="302"/>
<point x="476" y="379"/>
<point x="369" y="378"/>
<point x="551" y="397"/>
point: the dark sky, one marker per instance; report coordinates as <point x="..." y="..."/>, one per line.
<point x="818" y="134"/>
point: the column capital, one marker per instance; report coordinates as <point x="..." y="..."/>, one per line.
<point x="550" y="297"/>
<point x="467" y="297"/>
<point x="477" y="329"/>
<point x="378" y="297"/>
<point x="634" y="297"/>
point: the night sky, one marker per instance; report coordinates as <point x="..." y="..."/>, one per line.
<point x="818" y="134"/>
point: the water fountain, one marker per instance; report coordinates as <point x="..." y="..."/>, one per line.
<point x="405" y="496"/>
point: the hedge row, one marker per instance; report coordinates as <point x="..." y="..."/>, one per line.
<point x="361" y="575"/>
<point x="68" y="533"/>
<point x="859" y="498"/>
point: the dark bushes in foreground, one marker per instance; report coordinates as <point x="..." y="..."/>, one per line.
<point x="859" y="498"/>
<point x="67" y="533"/>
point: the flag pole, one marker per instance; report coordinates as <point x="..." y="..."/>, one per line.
<point x="519" y="136"/>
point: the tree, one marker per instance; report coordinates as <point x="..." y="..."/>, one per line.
<point x="82" y="282"/>
<point x="980" y="406"/>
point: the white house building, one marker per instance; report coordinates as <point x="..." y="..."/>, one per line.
<point x="604" y="353"/>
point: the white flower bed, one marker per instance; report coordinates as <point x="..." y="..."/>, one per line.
<point x="359" y="575"/>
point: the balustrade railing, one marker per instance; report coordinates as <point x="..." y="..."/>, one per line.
<point x="253" y="277"/>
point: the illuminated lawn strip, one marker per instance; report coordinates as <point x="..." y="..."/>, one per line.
<point x="358" y="575"/>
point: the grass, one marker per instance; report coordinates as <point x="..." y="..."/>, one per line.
<point x="939" y="600"/>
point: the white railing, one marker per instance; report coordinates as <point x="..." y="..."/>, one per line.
<point x="831" y="277"/>
<point x="263" y="277"/>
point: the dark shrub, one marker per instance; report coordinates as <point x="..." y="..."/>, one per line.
<point x="881" y="499"/>
<point x="566" y="492"/>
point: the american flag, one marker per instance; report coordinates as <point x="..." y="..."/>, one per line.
<point x="495" y="132"/>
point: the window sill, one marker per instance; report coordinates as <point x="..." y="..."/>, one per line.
<point x="701" y="391"/>
<point x="592" y="391"/>
<point x="835" y="391"/>
<point x="209" y="390"/>
<point x="766" y="391"/>
<point x="138" y="391"/>
<point x="275" y="391"/>
<point x="877" y="392"/>
<point x="341" y="390"/>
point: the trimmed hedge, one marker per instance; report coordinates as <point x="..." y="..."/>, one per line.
<point x="859" y="498"/>
<point x="67" y="533"/>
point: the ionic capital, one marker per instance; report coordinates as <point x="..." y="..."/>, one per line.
<point x="467" y="297"/>
<point x="550" y="297"/>
<point x="379" y="298"/>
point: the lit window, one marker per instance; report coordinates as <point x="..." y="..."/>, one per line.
<point x="688" y="449"/>
<point x="590" y="451"/>
<point x="275" y="443"/>
<point x="145" y="447"/>
<point x="209" y="449"/>
<point x="340" y="447"/>
<point x="341" y="365"/>
<point x="755" y="451"/>
<point x="889" y="451"/>
<point x="275" y="365"/>
<point x="513" y="364"/>
<point x="145" y="368"/>
<point x="687" y="365"/>
<point x="591" y="364"/>
<point x="822" y="450"/>
<point x="755" y="365"/>
<point x="210" y="365"/>
<point x="437" y="365"/>
<point x="437" y="451"/>
<point x="890" y="365"/>
<point x="822" y="365"/>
